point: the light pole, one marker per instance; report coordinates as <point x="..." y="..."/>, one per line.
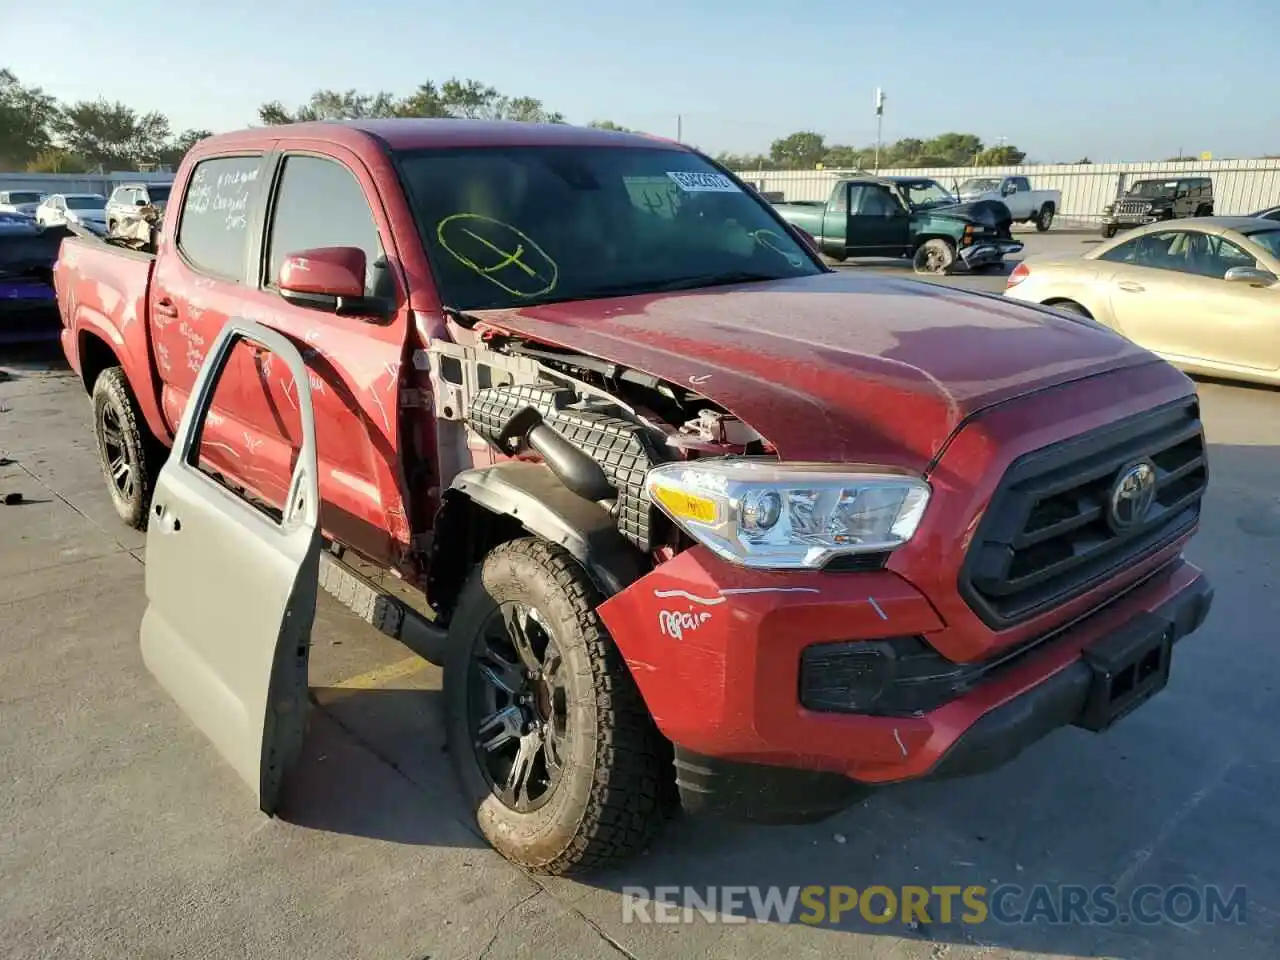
<point x="879" y="122"/>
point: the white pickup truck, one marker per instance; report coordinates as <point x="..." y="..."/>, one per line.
<point x="1026" y="205"/>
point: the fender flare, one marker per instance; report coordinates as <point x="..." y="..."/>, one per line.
<point x="532" y="495"/>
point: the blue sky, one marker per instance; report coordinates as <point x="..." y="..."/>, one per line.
<point x="1119" y="80"/>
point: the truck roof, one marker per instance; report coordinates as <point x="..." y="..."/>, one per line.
<point x="413" y="133"/>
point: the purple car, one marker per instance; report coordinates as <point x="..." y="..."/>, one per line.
<point x="28" y="306"/>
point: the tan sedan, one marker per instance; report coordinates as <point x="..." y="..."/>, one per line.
<point x="1203" y="293"/>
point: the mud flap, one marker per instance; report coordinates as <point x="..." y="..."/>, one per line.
<point x="231" y="589"/>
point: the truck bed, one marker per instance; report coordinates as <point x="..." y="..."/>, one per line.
<point x="102" y="298"/>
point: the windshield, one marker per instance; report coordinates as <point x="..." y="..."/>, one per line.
<point x="925" y="193"/>
<point x="1154" y="188"/>
<point x="158" y="194"/>
<point x="23" y="196"/>
<point x="980" y="185"/>
<point x="514" y="226"/>
<point x="1268" y="240"/>
<point x="85" y="203"/>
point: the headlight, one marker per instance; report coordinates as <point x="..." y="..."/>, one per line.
<point x="773" y="515"/>
<point x="1108" y="208"/>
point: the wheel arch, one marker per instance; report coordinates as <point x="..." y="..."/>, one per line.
<point x="96" y="354"/>
<point x="487" y="506"/>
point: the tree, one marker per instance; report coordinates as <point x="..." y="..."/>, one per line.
<point x="57" y="160"/>
<point x="112" y="135"/>
<point x="845" y="158"/>
<point x="804" y="149"/>
<point x="607" y="125"/>
<point x="1006" y="156"/>
<point x="905" y="153"/>
<point x="26" y="120"/>
<point x="173" y="152"/>
<point x="956" y="149"/>
<point x="332" y="105"/>
<point x="468" y="99"/>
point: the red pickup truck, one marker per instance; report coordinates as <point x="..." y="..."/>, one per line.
<point x="693" y="516"/>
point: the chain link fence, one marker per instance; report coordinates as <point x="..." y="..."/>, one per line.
<point x="1240" y="187"/>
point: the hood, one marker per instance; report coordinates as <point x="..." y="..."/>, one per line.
<point x="836" y="368"/>
<point x="992" y="213"/>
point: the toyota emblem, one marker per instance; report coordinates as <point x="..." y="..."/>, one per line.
<point x="1131" y="496"/>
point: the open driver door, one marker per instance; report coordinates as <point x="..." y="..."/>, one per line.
<point x="231" y="589"/>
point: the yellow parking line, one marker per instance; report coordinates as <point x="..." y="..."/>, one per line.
<point x="381" y="675"/>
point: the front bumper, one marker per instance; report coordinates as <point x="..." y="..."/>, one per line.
<point x="1136" y="219"/>
<point x="982" y="253"/>
<point x="724" y="686"/>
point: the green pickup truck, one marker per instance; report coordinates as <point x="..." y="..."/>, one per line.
<point x="870" y="216"/>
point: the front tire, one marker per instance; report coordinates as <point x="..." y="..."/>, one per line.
<point x="129" y="457"/>
<point x="935" y="256"/>
<point x="1108" y="230"/>
<point x="552" y="743"/>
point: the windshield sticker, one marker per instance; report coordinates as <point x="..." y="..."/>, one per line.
<point x="500" y="253"/>
<point x="691" y="181"/>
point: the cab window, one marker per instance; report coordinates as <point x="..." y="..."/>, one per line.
<point x="213" y="227"/>
<point x="320" y="203"/>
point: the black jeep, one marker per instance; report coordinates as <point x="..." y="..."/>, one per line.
<point x="1147" y="201"/>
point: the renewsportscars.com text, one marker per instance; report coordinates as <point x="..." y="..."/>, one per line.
<point x="972" y="904"/>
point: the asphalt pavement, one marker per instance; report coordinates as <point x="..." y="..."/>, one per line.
<point x="123" y="835"/>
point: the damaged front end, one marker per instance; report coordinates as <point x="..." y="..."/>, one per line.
<point x="985" y="233"/>
<point x="503" y="404"/>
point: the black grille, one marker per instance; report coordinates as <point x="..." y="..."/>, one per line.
<point x="1046" y="538"/>
<point x="623" y="449"/>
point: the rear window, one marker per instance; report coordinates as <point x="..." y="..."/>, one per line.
<point x="213" y="230"/>
<point x="1268" y="240"/>
<point x="158" y="194"/>
<point x="85" y="203"/>
<point x="23" y="196"/>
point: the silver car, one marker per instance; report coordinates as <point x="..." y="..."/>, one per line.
<point x="22" y="202"/>
<point x="88" y="210"/>
<point x="127" y="198"/>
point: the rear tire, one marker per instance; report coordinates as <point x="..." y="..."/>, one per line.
<point x="1045" y="219"/>
<point x="129" y="455"/>
<point x="601" y="769"/>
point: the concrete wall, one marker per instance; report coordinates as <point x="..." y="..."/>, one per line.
<point x="77" y="182"/>
<point x="1240" y="186"/>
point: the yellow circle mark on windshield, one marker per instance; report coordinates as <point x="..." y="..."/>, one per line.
<point x="773" y="241"/>
<point x="500" y="253"/>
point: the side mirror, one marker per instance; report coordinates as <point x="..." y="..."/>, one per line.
<point x="139" y="202"/>
<point x="1010" y="188"/>
<point x="1253" y="275"/>
<point x="328" y="278"/>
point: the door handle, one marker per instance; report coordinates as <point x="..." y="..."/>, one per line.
<point x="166" y="307"/>
<point x="169" y="522"/>
<point x="1130" y="287"/>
